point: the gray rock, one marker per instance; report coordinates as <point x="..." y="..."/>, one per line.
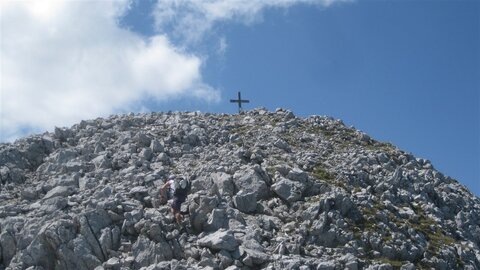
<point x="282" y="145"/>
<point x="53" y="204"/>
<point x="7" y="242"/>
<point x="289" y="115"/>
<point x="146" y="154"/>
<point x="87" y="183"/>
<point x="112" y="263"/>
<point x="11" y="175"/>
<point x="288" y="190"/>
<point x="245" y="202"/>
<point x="199" y="212"/>
<point x="297" y="175"/>
<point x="144" y="252"/>
<point x="218" y="219"/>
<point x="51" y="242"/>
<point x="82" y="251"/>
<point x="252" y="180"/>
<point x="254" y="253"/>
<point x="142" y="139"/>
<point x="408" y="266"/>
<point x="138" y="192"/>
<point x="36" y="149"/>
<point x="282" y="169"/>
<point x="63" y="156"/>
<point x="224" y="183"/>
<point x="106" y="240"/>
<point x="62" y="134"/>
<point x="385" y="266"/>
<point x="102" y="162"/>
<point x="329" y="265"/>
<point x="147" y="252"/>
<point x="12" y="155"/>
<point x="222" y="239"/>
<point x="225" y="259"/>
<point x="29" y="194"/>
<point x="62" y="191"/>
<point x="156" y="146"/>
<point x="351" y="265"/>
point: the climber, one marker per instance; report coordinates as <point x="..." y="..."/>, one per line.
<point x="178" y="190"/>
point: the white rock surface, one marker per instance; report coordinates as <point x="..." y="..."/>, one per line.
<point x="269" y="191"/>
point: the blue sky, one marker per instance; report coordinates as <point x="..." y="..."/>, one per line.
<point x="406" y="72"/>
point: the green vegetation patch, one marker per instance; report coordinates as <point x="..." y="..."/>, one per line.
<point x="437" y="237"/>
<point x="394" y="263"/>
<point x="270" y="170"/>
<point x="381" y="146"/>
<point x="321" y="173"/>
<point x="369" y="223"/>
<point x="241" y="130"/>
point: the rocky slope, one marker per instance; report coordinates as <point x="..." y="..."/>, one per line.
<point x="269" y="190"/>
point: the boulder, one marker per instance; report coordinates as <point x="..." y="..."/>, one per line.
<point x="156" y="146"/>
<point x="146" y="154"/>
<point x="61" y="191"/>
<point x="282" y="145"/>
<point x="102" y="162"/>
<point x="252" y="180"/>
<point x="297" y="175"/>
<point x="329" y="265"/>
<point x="62" y="156"/>
<point x="224" y="183"/>
<point x="245" y="202"/>
<point x="138" y="192"/>
<point x="219" y="240"/>
<point x="254" y="254"/>
<point x="112" y="263"/>
<point x="218" y="219"/>
<point x="9" y="247"/>
<point x="11" y="175"/>
<point x="144" y="252"/>
<point x="53" y="204"/>
<point x="142" y="139"/>
<point x="29" y="194"/>
<point x="288" y="190"/>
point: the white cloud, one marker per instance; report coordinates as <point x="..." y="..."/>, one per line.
<point x="191" y="20"/>
<point x="63" y="61"/>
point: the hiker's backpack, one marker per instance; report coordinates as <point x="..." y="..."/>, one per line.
<point x="179" y="191"/>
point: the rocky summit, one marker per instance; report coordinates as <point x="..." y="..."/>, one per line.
<point x="269" y="190"/>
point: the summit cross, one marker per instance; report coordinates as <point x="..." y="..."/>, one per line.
<point x="239" y="101"/>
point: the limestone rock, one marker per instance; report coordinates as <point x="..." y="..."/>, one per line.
<point x="224" y="183"/>
<point x="7" y="241"/>
<point x="220" y="240"/>
<point x="62" y="191"/>
<point x="288" y="190"/>
<point x="245" y="202"/>
<point x="269" y="191"/>
<point x="252" y="180"/>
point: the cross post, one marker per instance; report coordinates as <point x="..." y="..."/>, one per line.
<point x="239" y="101"/>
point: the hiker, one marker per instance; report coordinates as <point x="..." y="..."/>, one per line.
<point x="178" y="190"/>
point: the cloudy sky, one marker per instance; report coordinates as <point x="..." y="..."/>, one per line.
<point x="406" y="72"/>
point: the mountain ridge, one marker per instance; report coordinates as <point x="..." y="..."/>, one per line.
<point x="269" y="190"/>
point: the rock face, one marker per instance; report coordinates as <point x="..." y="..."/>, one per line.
<point x="269" y="190"/>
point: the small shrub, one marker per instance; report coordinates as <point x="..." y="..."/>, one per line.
<point x="320" y="173"/>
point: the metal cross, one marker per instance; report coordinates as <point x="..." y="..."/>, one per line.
<point x="239" y="101"/>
